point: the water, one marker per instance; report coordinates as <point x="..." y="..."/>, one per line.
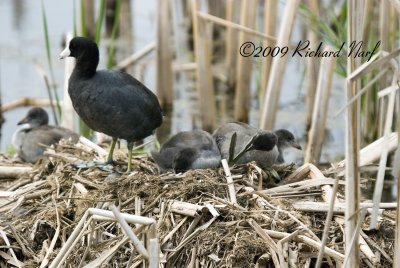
<point x="22" y="44"/>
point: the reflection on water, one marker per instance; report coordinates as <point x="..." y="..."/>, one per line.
<point x="18" y="7"/>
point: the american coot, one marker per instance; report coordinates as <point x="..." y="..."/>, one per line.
<point x="188" y="150"/>
<point x="267" y="146"/>
<point x="34" y="134"/>
<point x="111" y="102"/>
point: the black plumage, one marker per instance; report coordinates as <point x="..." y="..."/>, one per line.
<point x="188" y="150"/>
<point x="267" y="147"/>
<point x="109" y="101"/>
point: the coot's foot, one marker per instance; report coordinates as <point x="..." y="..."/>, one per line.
<point x="111" y="152"/>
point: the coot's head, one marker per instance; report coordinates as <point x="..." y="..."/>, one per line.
<point x="36" y="117"/>
<point x="286" y="139"/>
<point x="184" y="159"/>
<point x="265" y="141"/>
<point x="81" y="48"/>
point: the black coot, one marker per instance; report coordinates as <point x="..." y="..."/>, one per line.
<point x="266" y="149"/>
<point x="34" y="134"/>
<point x="188" y="150"/>
<point x="111" y="102"/>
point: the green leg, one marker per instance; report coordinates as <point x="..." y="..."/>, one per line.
<point x="130" y="147"/>
<point x="111" y="152"/>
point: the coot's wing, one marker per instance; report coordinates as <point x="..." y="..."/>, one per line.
<point x="55" y="133"/>
<point x="223" y="136"/>
<point x="196" y="139"/>
<point x="117" y="104"/>
<point x="34" y="144"/>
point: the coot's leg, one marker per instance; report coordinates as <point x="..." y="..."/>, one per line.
<point x="130" y="147"/>
<point x="110" y="154"/>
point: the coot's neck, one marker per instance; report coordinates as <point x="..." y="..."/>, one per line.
<point x="86" y="63"/>
<point x="280" y="143"/>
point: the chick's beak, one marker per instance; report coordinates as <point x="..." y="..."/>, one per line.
<point x="23" y="121"/>
<point x="296" y="145"/>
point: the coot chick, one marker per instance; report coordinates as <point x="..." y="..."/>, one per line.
<point x="188" y="150"/>
<point x="108" y="101"/>
<point x="266" y="150"/>
<point x="34" y="134"/>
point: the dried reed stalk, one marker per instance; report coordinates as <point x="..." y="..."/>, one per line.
<point x="8" y="244"/>
<point x="396" y="174"/>
<point x="384" y="27"/>
<point x="382" y="163"/>
<point x="205" y="85"/>
<point x="107" y="254"/>
<point x="126" y="32"/>
<point x="128" y="231"/>
<point x="236" y="26"/>
<point x="85" y="221"/>
<point x="229" y="180"/>
<point x="316" y="134"/>
<point x="311" y="67"/>
<point x="135" y="57"/>
<point x="273" y="247"/>
<point x="352" y="188"/>
<point x="45" y="260"/>
<point x="177" y="227"/>
<point x="369" y="108"/>
<point x="270" y="104"/>
<point x="370" y="153"/>
<point x="365" y="249"/>
<point x="89" y="18"/>
<point x="363" y="90"/>
<point x="298" y="186"/>
<point x="72" y="240"/>
<point x="307" y="240"/>
<point x="244" y="64"/>
<point x="100" y="151"/>
<point x="154" y="253"/>
<point x="7" y="172"/>
<point x="187" y="209"/>
<point x="164" y="56"/>
<point x="270" y="12"/>
<point x="327" y="223"/>
<point x="354" y="239"/>
<point x="231" y="45"/>
<point x="25" y="101"/>
<point x="311" y="206"/>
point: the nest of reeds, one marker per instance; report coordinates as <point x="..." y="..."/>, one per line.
<point x="196" y="220"/>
